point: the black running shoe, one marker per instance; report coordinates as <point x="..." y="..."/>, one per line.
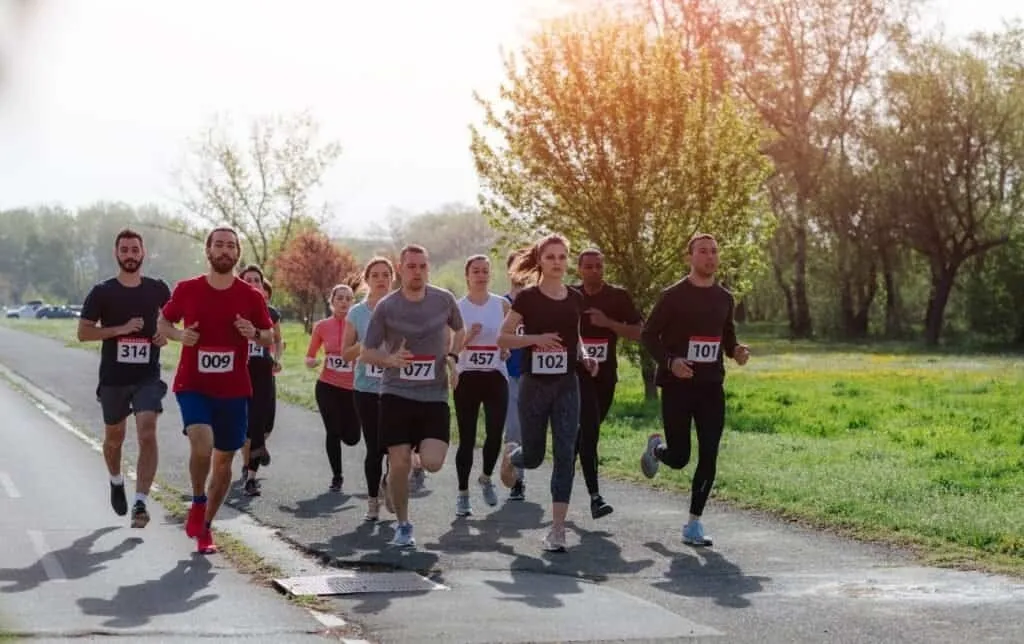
<point x="598" y="508"/>
<point x="140" y="516"/>
<point x="118" y="500"/>
<point x="252" y="488"/>
<point x="336" y="483"/>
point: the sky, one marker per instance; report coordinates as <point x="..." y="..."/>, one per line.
<point x="102" y="96"/>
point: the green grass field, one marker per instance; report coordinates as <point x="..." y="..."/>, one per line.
<point x="891" y="444"/>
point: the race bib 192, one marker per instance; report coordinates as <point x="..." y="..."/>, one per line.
<point x="133" y="350"/>
<point x="335" y="362"/>
<point x="255" y="349"/>
<point x="703" y="349"/>
<point x="419" y="369"/>
<point x="549" y="362"/>
<point x="216" y="360"/>
<point x="481" y="357"/>
<point x="596" y="348"/>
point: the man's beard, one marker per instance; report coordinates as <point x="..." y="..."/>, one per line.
<point x="130" y="265"/>
<point x="223" y="264"/>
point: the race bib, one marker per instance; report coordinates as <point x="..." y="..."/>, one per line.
<point x="520" y="330"/>
<point x="596" y="348"/>
<point x="216" y="361"/>
<point x="419" y="369"/>
<point x="335" y="362"/>
<point x="703" y="349"/>
<point x="481" y="357"/>
<point x="373" y="371"/>
<point x="550" y="362"/>
<point x="133" y="350"/>
<point x="255" y="349"/>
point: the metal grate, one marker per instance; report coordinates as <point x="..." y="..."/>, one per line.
<point x="352" y="582"/>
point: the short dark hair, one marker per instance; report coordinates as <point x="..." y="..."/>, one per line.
<point x="269" y="288"/>
<point x="224" y="229"/>
<point x="590" y="252"/>
<point x="253" y="268"/>
<point x="127" y="233"/>
<point x="696" y="238"/>
<point x="411" y="248"/>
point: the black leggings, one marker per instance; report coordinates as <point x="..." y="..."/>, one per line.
<point x="476" y="388"/>
<point x="338" y="411"/>
<point x="368" y="410"/>
<point x="704" y="404"/>
<point x="596" y="396"/>
<point x="262" y="407"/>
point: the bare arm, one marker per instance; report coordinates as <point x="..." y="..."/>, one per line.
<point x="278" y="342"/>
<point x="350" y="349"/>
<point x="628" y="331"/>
<point x="167" y="329"/>
<point x="90" y="331"/>
<point x="507" y="338"/>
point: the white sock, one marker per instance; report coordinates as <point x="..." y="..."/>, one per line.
<point x="117" y="479"/>
<point x="139" y="496"/>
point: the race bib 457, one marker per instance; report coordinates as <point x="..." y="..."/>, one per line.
<point x="482" y="357"/>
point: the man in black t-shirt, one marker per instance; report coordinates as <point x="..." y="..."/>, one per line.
<point x="121" y="312"/>
<point x="609" y="312"/>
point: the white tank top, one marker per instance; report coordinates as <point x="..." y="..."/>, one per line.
<point x="483" y="354"/>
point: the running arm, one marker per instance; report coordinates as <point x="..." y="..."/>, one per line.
<point x="350" y="349"/>
<point x="508" y="339"/>
<point x="90" y="331"/>
<point x="652" y="335"/>
<point x="278" y="343"/>
<point x="167" y="329"/>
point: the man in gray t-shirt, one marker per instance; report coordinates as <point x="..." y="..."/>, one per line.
<point x="415" y="334"/>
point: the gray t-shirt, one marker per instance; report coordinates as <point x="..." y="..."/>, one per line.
<point x="423" y="325"/>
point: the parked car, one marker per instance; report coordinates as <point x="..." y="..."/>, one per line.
<point x="28" y="310"/>
<point x="56" y="312"/>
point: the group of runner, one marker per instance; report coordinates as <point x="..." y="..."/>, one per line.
<point x="544" y="354"/>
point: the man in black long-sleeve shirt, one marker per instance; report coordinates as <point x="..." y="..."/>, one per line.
<point x="687" y="333"/>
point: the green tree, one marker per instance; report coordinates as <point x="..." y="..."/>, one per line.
<point x="604" y="136"/>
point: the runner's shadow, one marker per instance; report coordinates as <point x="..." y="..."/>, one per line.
<point x="327" y="504"/>
<point x="492" y="532"/>
<point x="172" y="593"/>
<point x="706" y="573"/>
<point x="76" y="562"/>
<point x="537" y="583"/>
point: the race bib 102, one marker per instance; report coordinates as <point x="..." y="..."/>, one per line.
<point x="596" y="348"/>
<point x="419" y="369"/>
<point x="335" y="362"/>
<point x="133" y="350"/>
<point x="703" y="349"/>
<point x="216" y="360"/>
<point x="549" y="362"/>
<point x="481" y="357"/>
<point x="255" y="349"/>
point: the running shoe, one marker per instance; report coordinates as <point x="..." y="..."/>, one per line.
<point x="463" y="508"/>
<point x="555" y="541"/>
<point x="196" y="520"/>
<point x="598" y="508"/>
<point x="693" y="535"/>
<point x="403" y="536"/>
<point x="140" y="516"/>
<point x="118" y="501"/>
<point x="490" y="494"/>
<point x="649" y="461"/>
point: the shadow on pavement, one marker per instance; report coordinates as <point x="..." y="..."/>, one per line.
<point x="706" y="573"/>
<point x="326" y="504"/>
<point x="76" y="561"/>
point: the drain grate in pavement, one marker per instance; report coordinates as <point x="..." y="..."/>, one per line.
<point x="352" y="582"/>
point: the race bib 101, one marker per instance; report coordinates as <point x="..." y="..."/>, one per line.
<point x="481" y="357"/>
<point x="703" y="349"/>
<point x="133" y="350"/>
<point x="596" y="348"/>
<point x="549" y="362"/>
<point x="216" y="360"/>
<point x="335" y="362"/>
<point x="419" y="369"/>
<point x="255" y="349"/>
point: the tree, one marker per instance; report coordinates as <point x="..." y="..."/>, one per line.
<point x="608" y="139"/>
<point x="263" y="186"/>
<point x="308" y="268"/>
<point x="952" y="150"/>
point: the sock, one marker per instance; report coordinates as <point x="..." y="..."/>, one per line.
<point x="199" y="499"/>
<point x="139" y="496"/>
<point x="117" y="479"/>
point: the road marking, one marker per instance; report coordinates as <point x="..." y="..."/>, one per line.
<point x="50" y="564"/>
<point x="8" y="485"/>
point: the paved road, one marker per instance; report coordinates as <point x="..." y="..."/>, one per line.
<point x="626" y="578"/>
<point x="69" y="566"/>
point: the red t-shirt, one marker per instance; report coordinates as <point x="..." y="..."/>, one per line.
<point x="329" y="334"/>
<point x="218" y="364"/>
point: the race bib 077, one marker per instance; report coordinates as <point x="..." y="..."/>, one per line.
<point x="419" y="369"/>
<point x="596" y="348"/>
<point x="703" y="349"/>
<point x="549" y="362"/>
<point x="335" y="362"/>
<point x="216" y="361"/>
<point x="133" y="350"/>
<point x="481" y="357"/>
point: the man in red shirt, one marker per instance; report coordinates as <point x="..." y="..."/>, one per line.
<point x="220" y="314"/>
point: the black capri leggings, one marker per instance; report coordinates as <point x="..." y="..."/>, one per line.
<point x="262" y="407"/>
<point x="476" y="388"/>
<point x="338" y="411"/>
<point x="368" y="409"/>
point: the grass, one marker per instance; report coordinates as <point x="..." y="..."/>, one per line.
<point x="885" y="443"/>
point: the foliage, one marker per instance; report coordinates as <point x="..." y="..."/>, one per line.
<point x="308" y="268"/>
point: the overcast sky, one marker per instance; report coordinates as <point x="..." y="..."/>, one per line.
<point x="104" y="93"/>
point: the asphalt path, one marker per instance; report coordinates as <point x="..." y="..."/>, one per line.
<point x="626" y="577"/>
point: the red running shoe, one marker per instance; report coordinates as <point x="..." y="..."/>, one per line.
<point x="206" y="546"/>
<point x="196" y="521"/>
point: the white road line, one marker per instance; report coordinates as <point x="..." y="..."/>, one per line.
<point x="50" y="564"/>
<point x="8" y="486"/>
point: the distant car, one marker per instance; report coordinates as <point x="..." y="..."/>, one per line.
<point x="55" y="312"/>
<point x="29" y="310"/>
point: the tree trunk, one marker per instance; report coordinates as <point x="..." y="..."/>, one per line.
<point x="801" y="324"/>
<point x="943" y="278"/>
<point x="786" y="292"/>
<point x="893" y="317"/>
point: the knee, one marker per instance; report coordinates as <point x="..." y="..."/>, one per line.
<point x="400" y="461"/>
<point x="147" y="437"/>
<point x="114" y="434"/>
<point x="532" y="460"/>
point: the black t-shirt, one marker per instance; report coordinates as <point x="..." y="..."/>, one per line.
<point x="542" y="314"/>
<point x="127" y="359"/>
<point x="260" y="355"/>
<point x="601" y="343"/>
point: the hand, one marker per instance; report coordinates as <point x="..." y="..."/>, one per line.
<point x="548" y="341"/>
<point x="598" y="318"/>
<point x="400" y="358"/>
<point x="681" y="368"/>
<point x="453" y="378"/>
<point x="591" y="365"/>
<point x="741" y="354"/>
<point x="244" y="327"/>
<point x="133" y="325"/>
<point x="505" y="354"/>
<point x="159" y="340"/>
<point x="277" y="367"/>
<point x="474" y="330"/>
<point x="190" y="336"/>
<point x="312" y="363"/>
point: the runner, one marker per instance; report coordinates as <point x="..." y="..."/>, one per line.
<point x="609" y="313"/>
<point x="690" y="327"/>
<point x="550" y="314"/>
<point x="121" y="312"/>
<point x="377" y="276"/>
<point x="264" y="364"/>
<point x="334" y="386"/>
<point x="220" y="314"/>
<point x="409" y="336"/>
<point x="513" y="366"/>
<point x="483" y="380"/>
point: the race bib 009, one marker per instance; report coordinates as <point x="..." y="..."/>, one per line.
<point x="133" y="350"/>
<point x="481" y="357"/>
<point x="703" y="349"/>
<point x="335" y="362"/>
<point x="216" y="360"/>
<point x="419" y="369"/>
<point x="596" y="348"/>
<point x="549" y="362"/>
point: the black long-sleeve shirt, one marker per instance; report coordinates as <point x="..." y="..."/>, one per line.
<point x="694" y="323"/>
